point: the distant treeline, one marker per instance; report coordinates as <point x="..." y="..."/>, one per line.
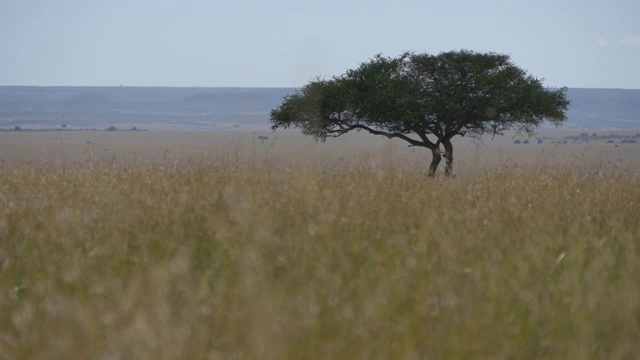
<point x="585" y="137"/>
<point x="113" y="128"/>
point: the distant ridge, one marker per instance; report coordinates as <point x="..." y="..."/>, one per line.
<point x="223" y="108"/>
<point x="91" y="101"/>
<point x="604" y="108"/>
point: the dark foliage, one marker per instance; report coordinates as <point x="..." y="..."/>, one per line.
<point x="425" y="100"/>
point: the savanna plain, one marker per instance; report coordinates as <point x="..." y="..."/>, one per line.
<point x="261" y="245"/>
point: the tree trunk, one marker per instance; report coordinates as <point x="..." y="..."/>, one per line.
<point x="448" y="154"/>
<point x="437" y="156"/>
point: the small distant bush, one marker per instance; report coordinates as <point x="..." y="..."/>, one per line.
<point x="525" y="141"/>
<point x="540" y="141"/>
<point x="517" y="141"/>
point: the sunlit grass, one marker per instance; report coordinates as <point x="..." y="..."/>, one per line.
<point x="225" y="259"/>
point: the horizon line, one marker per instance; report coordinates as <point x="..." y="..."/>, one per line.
<point x="249" y="87"/>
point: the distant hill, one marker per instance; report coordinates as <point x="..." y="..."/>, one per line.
<point x="143" y="107"/>
<point x="90" y="101"/>
<point x="604" y="109"/>
<point x="230" y="108"/>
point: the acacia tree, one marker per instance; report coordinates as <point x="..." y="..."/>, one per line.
<point x="424" y="100"/>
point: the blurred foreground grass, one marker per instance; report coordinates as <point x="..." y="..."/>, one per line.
<point x="205" y="260"/>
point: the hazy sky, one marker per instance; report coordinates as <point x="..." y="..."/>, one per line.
<point x="264" y="43"/>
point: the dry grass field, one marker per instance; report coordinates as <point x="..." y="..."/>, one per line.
<point x="155" y="245"/>
<point x="283" y="148"/>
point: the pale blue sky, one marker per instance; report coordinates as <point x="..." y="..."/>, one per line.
<point x="265" y="43"/>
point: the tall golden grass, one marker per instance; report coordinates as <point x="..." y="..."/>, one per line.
<point x="229" y="259"/>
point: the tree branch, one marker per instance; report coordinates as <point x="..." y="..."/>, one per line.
<point x="413" y="142"/>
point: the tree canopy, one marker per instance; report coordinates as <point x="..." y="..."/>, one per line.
<point x="424" y="100"/>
